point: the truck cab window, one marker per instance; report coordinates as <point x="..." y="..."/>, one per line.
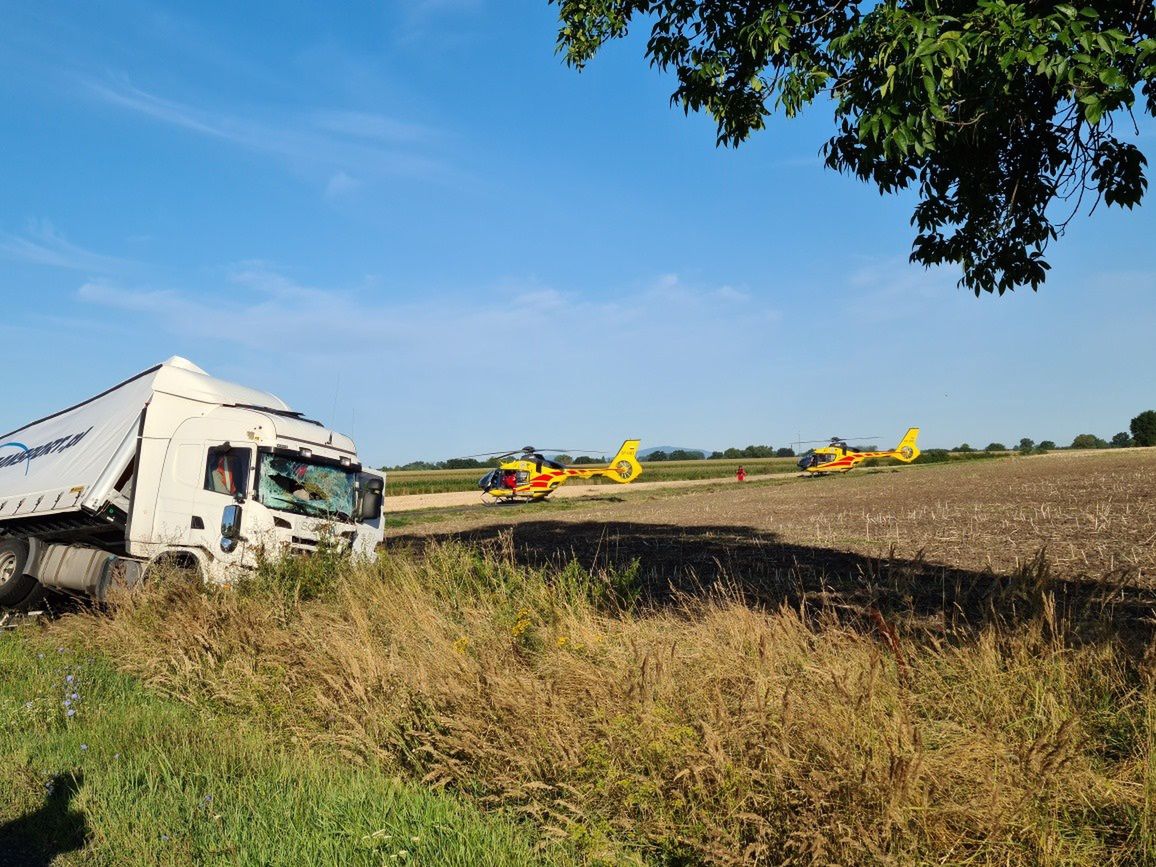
<point x="227" y="471"/>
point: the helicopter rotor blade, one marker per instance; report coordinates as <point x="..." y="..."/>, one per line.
<point x="575" y="451"/>
<point x="842" y="439"/>
<point x="534" y="450"/>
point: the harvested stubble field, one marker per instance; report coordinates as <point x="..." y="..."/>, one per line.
<point x="1087" y="513"/>
<point x="876" y="669"/>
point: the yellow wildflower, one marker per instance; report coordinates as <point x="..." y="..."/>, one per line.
<point x="522" y="624"/>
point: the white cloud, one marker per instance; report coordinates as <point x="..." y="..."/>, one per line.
<point x="262" y="308"/>
<point x="730" y="293"/>
<point x="342" y="142"/>
<point x="160" y="302"/>
<point x="376" y="127"/>
<point x="542" y="299"/>
<point x="42" y="244"/>
<point x="340" y="185"/>
<point x="671" y="287"/>
<point x="891" y="288"/>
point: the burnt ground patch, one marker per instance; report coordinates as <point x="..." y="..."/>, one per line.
<point x="670" y="563"/>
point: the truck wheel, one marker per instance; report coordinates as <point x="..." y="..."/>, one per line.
<point x="15" y="586"/>
<point x="178" y="569"/>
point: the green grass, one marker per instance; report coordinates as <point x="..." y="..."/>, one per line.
<point x="135" y="778"/>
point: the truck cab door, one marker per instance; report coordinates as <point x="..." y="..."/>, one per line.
<point x="226" y="481"/>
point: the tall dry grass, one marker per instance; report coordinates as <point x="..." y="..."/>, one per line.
<point x="700" y="732"/>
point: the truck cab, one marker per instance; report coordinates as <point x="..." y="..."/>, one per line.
<point x="274" y="481"/>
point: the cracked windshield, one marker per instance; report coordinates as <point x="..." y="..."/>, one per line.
<point x="305" y="488"/>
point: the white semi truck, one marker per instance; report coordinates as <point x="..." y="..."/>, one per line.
<point x="174" y="466"/>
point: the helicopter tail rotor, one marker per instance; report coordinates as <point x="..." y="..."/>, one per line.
<point x="624" y="465"/>
<point x="907" y="451"/>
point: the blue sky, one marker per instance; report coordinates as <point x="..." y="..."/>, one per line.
<point x="411" y="220"/>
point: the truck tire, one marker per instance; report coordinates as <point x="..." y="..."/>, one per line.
<point x="176" y="569"/>
<point x="15" y="586"/>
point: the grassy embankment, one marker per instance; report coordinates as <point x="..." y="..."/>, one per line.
<point x="698" y="730"/>
<point x="131" y="777"/>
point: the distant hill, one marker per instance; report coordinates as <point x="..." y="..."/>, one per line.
<point x="642" y="453"/>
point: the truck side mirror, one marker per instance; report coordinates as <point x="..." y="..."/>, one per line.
<point x="372" y="497"/>
<point x="230" y="527"/>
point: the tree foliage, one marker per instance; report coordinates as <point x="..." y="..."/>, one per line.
<point x="1001" y="115"/>
<point x="1088" y="441"/>
<point x="1144" y="428"/>
<point x="465" y="464"/>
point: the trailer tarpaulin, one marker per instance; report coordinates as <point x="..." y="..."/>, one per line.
<point x="73" y="458"/>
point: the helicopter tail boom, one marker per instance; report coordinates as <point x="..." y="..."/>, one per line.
<point x="623" y="467"/>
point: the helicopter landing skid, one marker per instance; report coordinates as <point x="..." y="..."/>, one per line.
<point x="489" y="499"/>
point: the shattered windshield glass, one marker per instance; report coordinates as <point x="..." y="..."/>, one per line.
<point x="306" y="488"/>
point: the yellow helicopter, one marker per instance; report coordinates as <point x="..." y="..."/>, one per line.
<point x="528" y="476"/>
<point x="838" y="457"/>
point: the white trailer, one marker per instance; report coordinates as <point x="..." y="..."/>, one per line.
<point x="173" y="465"/>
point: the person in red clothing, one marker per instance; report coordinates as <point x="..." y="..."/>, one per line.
<point x="223" y="482"/>
<point x="510" y="479"/>
<point x="741" y="475"/>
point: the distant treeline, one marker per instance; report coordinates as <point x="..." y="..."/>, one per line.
<point x="726" y="454"/>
